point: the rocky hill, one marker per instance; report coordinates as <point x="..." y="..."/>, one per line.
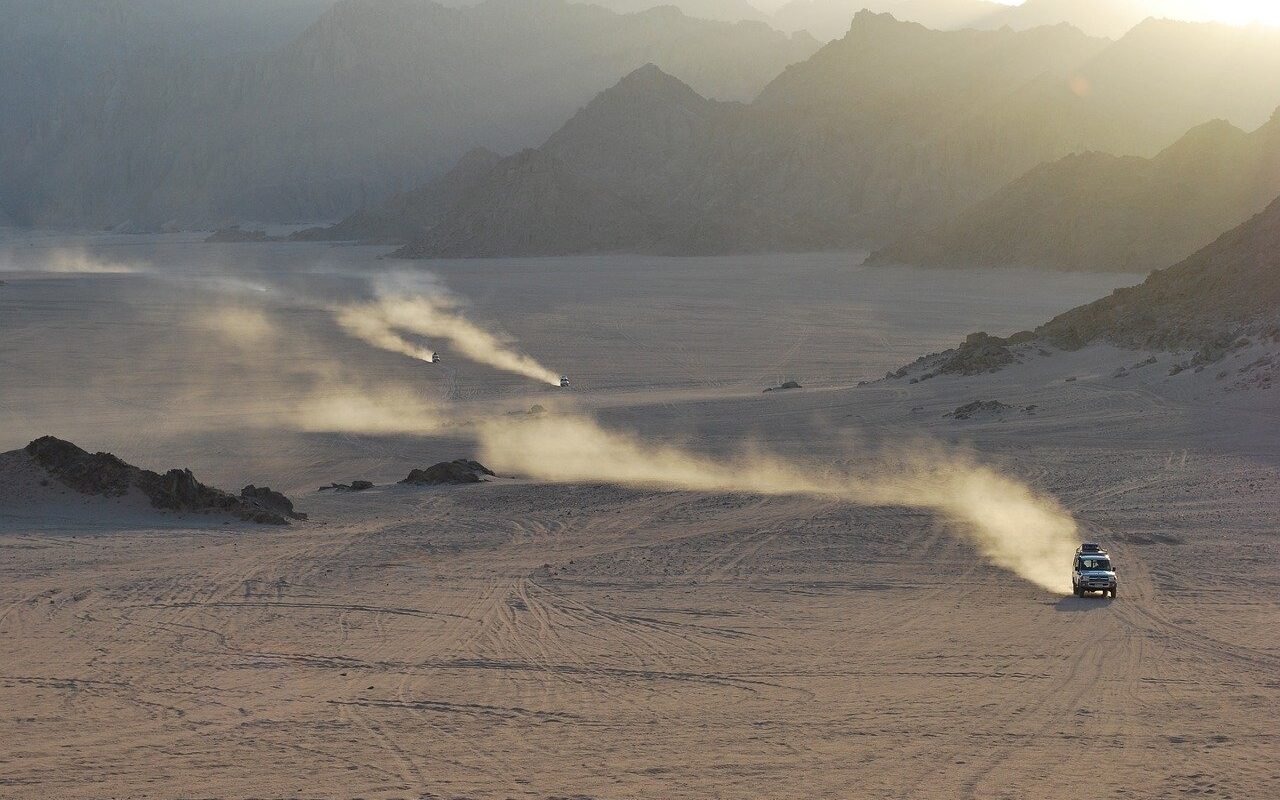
<point x="1099" y="212"/>
<point x="105" y="475"/>
<point x="1228" y="289"/>
<point x="829" y="19"/>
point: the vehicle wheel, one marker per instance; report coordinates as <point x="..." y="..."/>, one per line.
<point x="1113" y="594"/>
<point x="1076" y="591"/>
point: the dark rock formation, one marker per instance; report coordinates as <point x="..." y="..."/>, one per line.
<point x="458" y="471"/>
<point x="236" y="234"/>
<point x="176" y="490"/>
<point x="785" y="386"/>
<point x="980" y="353"/>
<point x="265" y="497"/>
<point x="980" y="408"/>
<point x="988" y="409"/>
<point x="354" y="486"/>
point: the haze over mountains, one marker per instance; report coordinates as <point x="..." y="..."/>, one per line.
<point x="374" y="97"/>
<point x="1096" y="211"/>
<point x="828" y="19"/>
<point x="1213" y="296"/>
<point x="146" y="115"/>
<point x="889" y="131"/>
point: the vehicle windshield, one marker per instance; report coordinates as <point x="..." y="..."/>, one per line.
<point x="1093" y="563"/>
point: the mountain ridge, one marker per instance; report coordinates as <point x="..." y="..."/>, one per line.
<point x="1097" y="212"/>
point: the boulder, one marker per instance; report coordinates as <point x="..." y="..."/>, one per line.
<point x="271" y="500"/>
<point x="458" y="471"/>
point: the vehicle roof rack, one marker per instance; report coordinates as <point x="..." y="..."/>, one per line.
<point x="1090" y="547"/>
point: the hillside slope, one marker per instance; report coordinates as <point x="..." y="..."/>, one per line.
<point x="1099" y="212"/>
<point x="1224" y="290"/>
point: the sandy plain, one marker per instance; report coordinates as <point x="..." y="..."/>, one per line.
<point x="528" y="639"/>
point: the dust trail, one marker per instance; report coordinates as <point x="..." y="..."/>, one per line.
<point x="1013" y="526"/>
<point x="67" y="260"/>
<point x="352" y="410"/>
<point x="419" y="305"/>
<point x="369" y="324"/>
<point x="439" y="315"/>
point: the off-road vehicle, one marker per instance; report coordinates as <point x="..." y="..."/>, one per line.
<point x="1092" y="571"/>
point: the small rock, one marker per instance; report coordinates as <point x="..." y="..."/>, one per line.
<point x="785" y="386"/>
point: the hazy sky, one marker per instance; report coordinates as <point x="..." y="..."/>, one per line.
<point x="1236" y="12"/>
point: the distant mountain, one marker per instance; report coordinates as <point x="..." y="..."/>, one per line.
<point x="1099" y="212"/>
<point x="1227" y="289"/>
<point x="606" y="182"/>
<point x="409" y="215"/>
<point x="889" y="131"/>
<point x="723" y="10"/>
<point x="1175" y="75"/>
<point x="831" y="151"/>
<point x="532" y="205"/>
<point x="1110" y="18"/>
<point x="830" y="19"/>
<point x="375" y="97"/>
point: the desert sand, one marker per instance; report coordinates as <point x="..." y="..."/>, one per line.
<point x="521" y="638"/>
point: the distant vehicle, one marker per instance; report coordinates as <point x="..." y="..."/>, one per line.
<point x="435" y="358"/>
<point x="1092" y="571"/>
<point x="564" y="382"/>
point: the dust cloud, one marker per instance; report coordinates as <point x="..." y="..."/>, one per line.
<point x="361" y="411"/>
<point x="1013" y="526"/>
<point x="433" y="312"/>
<point x="368" y="322"/>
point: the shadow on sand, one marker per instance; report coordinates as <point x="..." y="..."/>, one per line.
<point x="1091" y="602"/>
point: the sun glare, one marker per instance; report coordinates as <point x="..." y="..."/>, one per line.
<point x="1243" y="12"/>
<point x="1232" y="12"/>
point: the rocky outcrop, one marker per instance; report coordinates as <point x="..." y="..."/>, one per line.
<point x="354" y="486"/>
<point x="267" y="498"/>
<point x="1225" y="291"/>
<point x="980" y="408"/>
<point x="1221" y="300"/>
<point x="980" y="353"/>
<point x="458" y="471"/>
<point x="177" y="490"/>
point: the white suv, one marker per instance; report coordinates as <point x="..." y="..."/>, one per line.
<point x="1092" y="571"/>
